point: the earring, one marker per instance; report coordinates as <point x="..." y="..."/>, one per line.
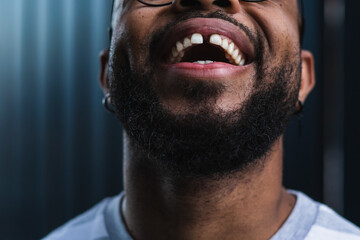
<point x="106" y="101"/>
<point x="298" y="112"/>
<point x="299" y="108"/>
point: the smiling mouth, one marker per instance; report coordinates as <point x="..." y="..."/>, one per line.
<point x="196" y="48"/>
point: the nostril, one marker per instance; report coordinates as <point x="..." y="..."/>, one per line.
<point x="189" y="3"/>
<point x="222" y="3"/>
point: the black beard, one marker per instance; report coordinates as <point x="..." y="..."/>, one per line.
<point x="204" y="143"/>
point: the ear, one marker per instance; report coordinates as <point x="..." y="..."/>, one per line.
<point x="307" y="75"/>
<point x="103" y="76"/>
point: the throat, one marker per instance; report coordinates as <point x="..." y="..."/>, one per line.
<point x="237" y="206"/>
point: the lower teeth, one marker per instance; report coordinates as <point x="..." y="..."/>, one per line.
<point x="204" y="62"/>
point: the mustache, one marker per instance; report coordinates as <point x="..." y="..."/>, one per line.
<point x="156" y="37"/>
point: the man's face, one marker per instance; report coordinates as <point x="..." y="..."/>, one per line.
<point x="272" y="25"/>
<point x="196" y="118"/>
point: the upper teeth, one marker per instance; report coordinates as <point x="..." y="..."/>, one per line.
<point x="197" y="38"/>
<point x="215" y="39"/>
<point x="233" y="53"/>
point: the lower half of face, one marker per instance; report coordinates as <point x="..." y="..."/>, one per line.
<point x="201" y="126"/>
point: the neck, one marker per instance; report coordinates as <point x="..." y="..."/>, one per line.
<point x="251" y="205"/>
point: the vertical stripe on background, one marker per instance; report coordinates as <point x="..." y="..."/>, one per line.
<point x="10" y="59"/>
<point x="28" y="117"/>
<point x="69" y="65"/>
<point x="55" y="127"/>
<point x="98" y="38"/>
<point x="42" y="84"/>
<point x="334" y="104"/>
<point x="41" y="109"/>
<point x="352" y="113"/>
<point x="15" y="113"/>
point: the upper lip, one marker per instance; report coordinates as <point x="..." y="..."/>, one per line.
<point x="207" y="27"/>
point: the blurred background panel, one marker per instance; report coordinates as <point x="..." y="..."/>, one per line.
<point x="352" y="111"/>
<point x="60" y="151"/>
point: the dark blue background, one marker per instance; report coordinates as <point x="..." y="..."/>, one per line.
<point x="60" y="152"/>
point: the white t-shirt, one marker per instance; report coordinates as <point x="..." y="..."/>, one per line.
<point x="309" y="220"/>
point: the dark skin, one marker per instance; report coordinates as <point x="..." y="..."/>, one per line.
<point x="250" y="205"/>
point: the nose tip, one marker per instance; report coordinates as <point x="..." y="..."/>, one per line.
<point x="229" y="6"/>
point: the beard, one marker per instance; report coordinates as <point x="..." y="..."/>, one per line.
<point x="205" y="141"/>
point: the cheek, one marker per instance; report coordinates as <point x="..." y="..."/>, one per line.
<point x="283" y="33"/>
<point x="279" y="29"/>
<point x="135" y="28"/>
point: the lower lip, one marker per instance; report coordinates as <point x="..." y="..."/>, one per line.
<point x="210" y="71"/>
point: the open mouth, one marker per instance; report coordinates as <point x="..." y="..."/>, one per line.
<point x="197" y="48"/>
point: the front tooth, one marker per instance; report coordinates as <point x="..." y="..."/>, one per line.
<point x="187" y="43"/>
<point x="215" y="39"/>
<point x="197" y="38"/>
<point x="231" y="48"/>
<point x="208" y="61"/>
<point x="179" y="46"/>
<point x="235" y="54"/>
<point x="225" y="44"/>
<point x="200" y="62"/>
